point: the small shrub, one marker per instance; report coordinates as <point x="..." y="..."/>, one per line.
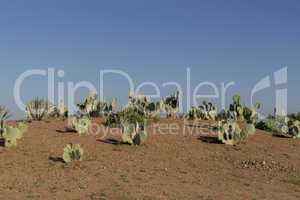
<point x="38" y="109"/>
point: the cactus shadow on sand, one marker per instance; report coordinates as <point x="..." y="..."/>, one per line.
<point x="210" y="139"/>
<point x="112" y="141"/>
<point x="56" y="159"/>
<point x="282" y="136"/>
<point x="2" y="143"/>
<point x="66" y="130"/>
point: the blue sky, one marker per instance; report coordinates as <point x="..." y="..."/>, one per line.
<point x="221" y="41"/>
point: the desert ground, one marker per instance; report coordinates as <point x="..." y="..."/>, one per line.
<point x="177" y="164"/>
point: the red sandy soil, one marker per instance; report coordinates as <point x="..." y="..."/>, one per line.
<point x="174" y="165"/>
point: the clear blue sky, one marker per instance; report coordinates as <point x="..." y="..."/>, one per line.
<point x="152" y="40"/>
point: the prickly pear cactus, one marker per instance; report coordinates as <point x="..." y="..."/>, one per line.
<point x="192" y="113"/>
<point x="170" y="105"/>
<point x="91" y="103"/>
<point x="294" y="129"/>
<point x="80" y="125"/>
<point x="145" y="104"/>
<point x="92" y="106"/>
<point x="134" y="134"/>
<point x="236" y="108"/>
<point x="12" y="134"/>
<point x="250" y="114"/>
<point x="206" y="111"/>
<point x="281" y="126"/>
<point x="236" y="99"/>
<point x="229" y="133"/>
<point x="72" y="152"/>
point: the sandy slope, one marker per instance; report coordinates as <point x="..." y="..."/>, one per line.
<point x="168" y="166"/>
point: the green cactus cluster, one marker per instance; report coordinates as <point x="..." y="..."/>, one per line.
<point x="72" y="152"/>
<point x="90" y="106"/>
<point x="150" y="108"/>
<point x="239" y="112"/>
<point x="280" y="126"/>
<point x="80" y="124"/>
<point x="170" y="104"/>
<point x="229" y="130"/>
<point x="132" y="121"/>
<point x="230" y="133"/>
<point x="206" y="111"/>
<point x="133" y="125"/>
<point x="130" y="114"/>
<point x="95" y="108"/>
<point x="236" y="108"/>
<point x="60" y="111"/>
